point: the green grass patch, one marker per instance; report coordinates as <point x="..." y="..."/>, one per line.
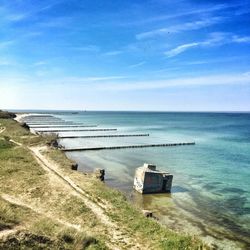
<point x="19" y="171"/>
<point x="8" y="215"/>
<point x="60" y="158"/>
<point x="22" y="135"/>
<point x="5" y="144"/>
<point x="78" y="240"/>
<point x="27" y="240"/>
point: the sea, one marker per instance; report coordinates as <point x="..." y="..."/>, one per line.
<point x="210" y="194"/>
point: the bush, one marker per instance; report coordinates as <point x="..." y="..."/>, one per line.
<point x="6" y="115"/>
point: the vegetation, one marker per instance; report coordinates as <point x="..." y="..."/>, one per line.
<point x="45" y="211"/>
<point x="6" y="115"/>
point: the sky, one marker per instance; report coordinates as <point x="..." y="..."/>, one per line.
<point x="159" y="55"/>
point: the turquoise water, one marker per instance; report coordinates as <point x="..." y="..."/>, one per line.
<point x="211" y="191"/>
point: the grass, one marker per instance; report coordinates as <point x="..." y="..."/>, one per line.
<point x="60" y="158"/>
<point x="50" y="204"/>
<point x="8" y="215"/>
<point x="22" y="135"/>
<point x="5" y="144"/>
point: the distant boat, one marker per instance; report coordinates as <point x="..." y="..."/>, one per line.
<point x="74" y="113"/>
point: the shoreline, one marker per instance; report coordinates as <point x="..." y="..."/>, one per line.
<point x="122" y="225"/>
<point x="179" y="218"/>
<point x="193" y="225"/>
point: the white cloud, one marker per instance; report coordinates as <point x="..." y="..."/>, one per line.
<point x="208" y="10"/>
<point x="5" y="44"/>
<point x="40" y="63"/>
<point x="70" y="93"/>
<point x="215" y="39"/>
<point x="229" y="79"/>
<point x="136" y="65"/>
<point x="6" y="62"/>
<point x="195" y="25"/>
<point x="176" y="51"/>
<point x="113" y="53"/>
<point x="16" y="17"/>
<point x="241" y="39"/>
<point x="85" y="80"/>
<point x="87" y="48"/>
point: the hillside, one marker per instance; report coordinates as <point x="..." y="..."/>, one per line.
<point x="46" y="205"/>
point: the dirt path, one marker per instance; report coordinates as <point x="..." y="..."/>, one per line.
<point x="2" y="129"/>
<point x="7" y="232"/>
<point x="116" y="234"/>
<point x="15" y="142"/>
<point x="16" y="201"/>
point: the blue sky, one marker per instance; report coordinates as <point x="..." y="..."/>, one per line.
<point x="125" y="55"/>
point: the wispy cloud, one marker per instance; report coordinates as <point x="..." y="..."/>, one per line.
<point x="113" y="53"/>
<point x="241" y="39"/>
<point x="136" y="65"/>
<point x="40" y="63"/>
<point x="181" y="48"/>
<point x="16" y="17"/>
<point x="202" y="11"/>
<point x="6" y="62"/>
<point x="11" y="15"/>
<point x="79" y="80"/>
<point x="215" y="39"/>
<point x="216" y="60"/>
<point x="87" y="48"/>
<point x="195" y="25"/>
<point x="59" y="22"/>
<point x="5" y="44"/>
<point x="229" y="79"/>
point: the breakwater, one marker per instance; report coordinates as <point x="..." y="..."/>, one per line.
<point x="130" y="146"/>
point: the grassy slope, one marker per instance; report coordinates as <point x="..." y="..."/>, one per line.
<point x="50" y="203"/>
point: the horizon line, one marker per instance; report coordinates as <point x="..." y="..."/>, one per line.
<point x="97" y="110"/>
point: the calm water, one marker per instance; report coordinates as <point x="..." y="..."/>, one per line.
<point x="211" y="191"/>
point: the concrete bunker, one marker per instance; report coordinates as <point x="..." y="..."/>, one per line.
<point x="149" y="180"/>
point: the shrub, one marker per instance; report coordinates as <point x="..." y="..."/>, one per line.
<point x="6" y="115"/>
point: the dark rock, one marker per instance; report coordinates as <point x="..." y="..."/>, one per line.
<point x="74" y="166"/>
<point x="147" y="213"/>
<point x="25" y="125"/>
<point x="100" y="173"/>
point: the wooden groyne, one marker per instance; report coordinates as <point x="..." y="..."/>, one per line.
<point x="43" y="116"/>
<point x="52" y="123"/>
<point x="42" y="120"/>
<point x="130" y="146"/>
<point x="101" y="136"/>
<point x="75" y="130"/>
<point x="61" y="126"/>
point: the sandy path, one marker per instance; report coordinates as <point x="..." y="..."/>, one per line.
<point x="7" y="232"/>
<point x="116" y="234"/>
<point x="16" y="201"/>
<point x="2" y="129"/>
